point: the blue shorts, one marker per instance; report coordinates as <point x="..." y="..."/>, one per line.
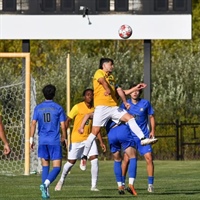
<point x="142" y="149"/>
<point x="50" y="152"/>
<point x="120" y="137"/>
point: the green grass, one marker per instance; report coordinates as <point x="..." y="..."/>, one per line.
<point x="173" y="180"/>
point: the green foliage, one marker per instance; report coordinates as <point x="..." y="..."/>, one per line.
<point x="175" y="70"/>
<point x="175" y="84"/>
<point x="10" y="45"/>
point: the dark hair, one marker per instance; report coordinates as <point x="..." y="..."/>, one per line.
<point x="89" y="89"/>
<point x="49" y="91"/>
<point x="103" y="60"/>
<point x="133" y="85"/>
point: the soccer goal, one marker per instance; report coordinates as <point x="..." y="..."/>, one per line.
<point x="17" y="101"/>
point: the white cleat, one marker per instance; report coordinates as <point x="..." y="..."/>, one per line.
<point x="94" y="189"/>
<point x="150" y="188"/>
<point x="146" y="141"/>
<point x="59" y="186"/>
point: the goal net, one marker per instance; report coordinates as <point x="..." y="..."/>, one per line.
<point x="12" y="108"/>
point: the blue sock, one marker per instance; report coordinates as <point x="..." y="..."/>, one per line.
<point x="53" y="174"/>
<point x="123" y="179"/>
<point x="45" y="173"/>
<point x="150" y="180"/>
<point x="118" y="171"/>
<point x="132" y="168"/>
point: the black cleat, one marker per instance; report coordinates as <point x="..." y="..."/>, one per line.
<point x="121" y="190"/>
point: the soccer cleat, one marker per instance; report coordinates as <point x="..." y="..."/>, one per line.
<point x="58" y="186"/>
<point x="150" y="188"/>
<point x="121" y="190"/>
<point x="145" y="141"/>
<point x="131" y="190"/>
<point x="48" y="195"/>
<point x="43" y="189"/>
<point x="94" y="189"/>
<point x="83" y="164"/>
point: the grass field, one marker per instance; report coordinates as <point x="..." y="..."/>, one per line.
<point x="173" y="180"/>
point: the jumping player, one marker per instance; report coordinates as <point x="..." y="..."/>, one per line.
<point x="105" y="103"/>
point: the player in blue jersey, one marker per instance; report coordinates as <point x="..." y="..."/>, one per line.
<point x="120" y="138"/>
<point x="143" y="111"/>
<point x="50" y="117"/>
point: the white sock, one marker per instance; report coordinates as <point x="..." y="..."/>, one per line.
<point x="66" y="168"/>
<point x="88" y="144"/>
<point x="94" y="171"/>
<point x="135" y="128"/>
<point x="47" y="183"/>
<point x="119" y="184"/>
<point x="131" y="181"/>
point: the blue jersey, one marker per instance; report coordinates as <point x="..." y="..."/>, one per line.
<point x="49" y="115"/>
<point x="141" y="110"/>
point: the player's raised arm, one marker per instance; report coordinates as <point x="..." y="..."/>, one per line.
<point x="137" y="87"/>
<point x="122" y="95"/>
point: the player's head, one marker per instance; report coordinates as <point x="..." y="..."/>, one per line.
<point x="49" y="91"/>
<point x="88" y="95"/>
<point x="136" y="94"/>
<point x="107" y="64"/>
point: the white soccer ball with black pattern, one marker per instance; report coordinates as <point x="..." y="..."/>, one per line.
<point x="125" y="31"/>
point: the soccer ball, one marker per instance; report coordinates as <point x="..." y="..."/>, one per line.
<point x="125" y="31"/>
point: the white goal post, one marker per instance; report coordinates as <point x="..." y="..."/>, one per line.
<point x="26" y="56"/>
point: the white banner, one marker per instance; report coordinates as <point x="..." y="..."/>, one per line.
<point x="101" y="26"/>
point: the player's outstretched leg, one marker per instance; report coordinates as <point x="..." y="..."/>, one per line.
<point x="137" y="130"/>
<point x="145" y="141"/>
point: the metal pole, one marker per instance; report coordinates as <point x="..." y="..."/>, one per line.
<point x="27" y="115"/>
<point x="26" y="104"/>
<point x="68" y="83"/>
<point x="147" y="69"/>
<point x="68" y="93"/>
<point x="177" y="139"/>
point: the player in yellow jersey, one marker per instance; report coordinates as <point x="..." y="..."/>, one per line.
<point x="105" y="103"/>
<point x="78" y="139"/>
<point x="6" y="150"/>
